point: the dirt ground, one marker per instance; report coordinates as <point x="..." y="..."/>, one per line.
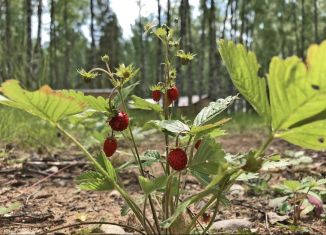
<point x="53" y="201"/>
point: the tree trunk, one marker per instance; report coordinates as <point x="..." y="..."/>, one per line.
<point x="295" y="26"/>
<point x="8" y="38"/>
<point x="159" y="47"/>
<point x="243" y="13"/>
<point x="38" y="46"/>
<point x="67" y="46"/>
<point x="302" y="29"/>
<point x="189" y="49"/>
<point x="168" y="13"/>
<point x="183" y="35"/>
<point x="28" y="69"/>
<point x="53" y="47"/>
<point x="141" y="51"/>
<point x="316" y="21"/>
<point x="203" y="49"/>
<point x="235" y="22"/>
<point x="93" y="49"/>
<point x="214" y="59"/>
<point x="283" y="38"/>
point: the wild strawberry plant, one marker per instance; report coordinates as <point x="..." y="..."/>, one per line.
<point x="291" y="101"/>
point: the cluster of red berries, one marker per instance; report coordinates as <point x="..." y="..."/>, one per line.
<point x="172" y="94"/>
<point x="119" y="122"/>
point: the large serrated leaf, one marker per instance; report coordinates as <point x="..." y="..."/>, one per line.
<point x="293" y="97"/>
<point x="94" y="181"/>
<point x="243" y="69"/>
<point x="209" y="113"/>
<point x="311" y="135"/>
<point x="140" y="103"/>
<point x="98" y="104"/>
<point x="44" y="103"/>
<point x="316" y="61"/>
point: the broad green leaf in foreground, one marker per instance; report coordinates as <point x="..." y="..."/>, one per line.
<point x="293" y="97"/>
<point x="44" y="103"/>
<point x="311" y="135"/>
<point x="316" y="62"/>
<point x="243" y="69"/>
<point x="209" y="113"/>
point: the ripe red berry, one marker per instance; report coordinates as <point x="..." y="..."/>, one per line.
<point x="198" y="143"/>
<point x="177" y="159"/>
<point x="156" y="95"/>
<point x="173" y="93"/>
<point x="119" y="122"/>
<point x="110" y="146"/>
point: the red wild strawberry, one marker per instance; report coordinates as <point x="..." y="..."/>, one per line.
<point x="156" y="95"/>
<point x="119" y="122"/>
<point x="198" y="143"/>
<point x="110" y="146"/>
<point x="177" y="159"/>
<point x="173" y="93"/>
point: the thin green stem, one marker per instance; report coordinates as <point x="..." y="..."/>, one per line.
<point x="130" y="202"/>
<point x="144" y="214"/>
<point x="263" y="147"/>
<point x="140" y="165"/>
<point x="101" y="70"/>
<point x="178" y="192"/>
<point x="200" y="213"/>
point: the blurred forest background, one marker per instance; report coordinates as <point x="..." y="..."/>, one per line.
<point x="268" y="27"/>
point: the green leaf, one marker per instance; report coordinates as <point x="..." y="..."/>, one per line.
<point x="292" y="185"/>
<point x="209" y="158"/>
<point x="97" y="104"/>
<point x="243" y="69"/>
<point x="253" y="164"/>
<point x="126" y="91"/>
<point x="94" y="181"/>
<point x="173" y="126"/>
<point x="316" y="62"/>
<point x="150" y="186"/>
<point x="150" y="157"/>
<point x="140" y="103"/>
<point x="107" y="166"/>
<point x="293" y="97"/>
<point x="205" y="129"/>
<point x="10" y="208"/>
<point x="209" y="113"/>
<point x="311" y="135"/>
<point x="44" y="103"/>
<point x="277" y="202"/>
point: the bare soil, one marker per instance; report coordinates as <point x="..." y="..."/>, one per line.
<point x="53" y="201"/>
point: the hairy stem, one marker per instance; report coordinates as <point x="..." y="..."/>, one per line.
<point x="126" y="197"/>
<point x="140" y="165"/>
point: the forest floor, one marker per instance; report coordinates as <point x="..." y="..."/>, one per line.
<point x="50" y="202"/>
